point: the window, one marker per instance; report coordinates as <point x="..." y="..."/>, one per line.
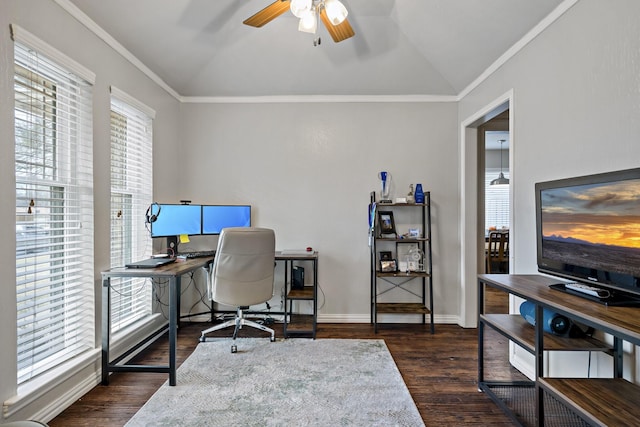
<point x="131" y="194"/>
<point x="496" y="201"/>
<point x="54" y="209"/>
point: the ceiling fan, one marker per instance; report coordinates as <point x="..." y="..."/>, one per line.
<point x="332" y="13"/>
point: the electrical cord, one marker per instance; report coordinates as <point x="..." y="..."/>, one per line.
<point x="159" y="292"/>
<point x="324" y="297"/>
<point x="115" y="289"/>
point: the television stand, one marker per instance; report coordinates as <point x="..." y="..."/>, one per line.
<point x="547" y="399"/>
<point x="616" y="299"/>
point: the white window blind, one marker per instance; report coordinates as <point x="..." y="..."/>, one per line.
<point x="131" y="194"/>
<point x="54" y="213"/>
<point x="496" y="201"/>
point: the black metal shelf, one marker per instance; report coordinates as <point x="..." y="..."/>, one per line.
<point x="414" y="302"/>
<point x="297" y="324"/>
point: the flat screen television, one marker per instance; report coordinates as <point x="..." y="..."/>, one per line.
<point x="588" y="230"/>
<point x="217" y="217"/>
<point x="176" y="220"/>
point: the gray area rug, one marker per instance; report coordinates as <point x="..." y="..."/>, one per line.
<point x="296" y="382"/>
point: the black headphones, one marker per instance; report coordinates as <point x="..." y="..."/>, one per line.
<point x="150" y="217"/>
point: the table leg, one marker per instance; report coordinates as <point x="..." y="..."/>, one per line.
<point x="106" y="323"/>
<point x="174" y="291"/>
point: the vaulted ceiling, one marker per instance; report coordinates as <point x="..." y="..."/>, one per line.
<point x="200" y="48"/>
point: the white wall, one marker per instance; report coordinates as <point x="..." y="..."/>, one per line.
<point x="46" y="20"/>
<point x="575" y="109"/>
<point x="308" y="169"/>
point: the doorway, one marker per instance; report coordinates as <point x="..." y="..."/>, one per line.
<point x="472" y="201"/>
<point x="493" y="179"/>
<point x="494" y="214"/>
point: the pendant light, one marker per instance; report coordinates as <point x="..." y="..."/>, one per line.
<point x="500" y="180"/>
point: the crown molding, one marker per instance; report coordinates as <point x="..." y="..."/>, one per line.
<point x="316" y="99"/>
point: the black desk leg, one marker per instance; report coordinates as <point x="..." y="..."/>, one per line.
<point x="106" y="321"/>
<point x="173" y="326"/>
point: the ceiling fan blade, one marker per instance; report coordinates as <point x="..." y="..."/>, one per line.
<point x="268" y="14"/>
<point x="338" y="32"/>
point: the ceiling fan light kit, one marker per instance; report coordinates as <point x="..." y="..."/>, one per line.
<point x="300" y="8"/>
<point x="332" y="13"/>
<point x="309" y="22"/>
<point x="336" y="11"/>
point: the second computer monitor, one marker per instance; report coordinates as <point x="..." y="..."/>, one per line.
<point x="217" y="217"/>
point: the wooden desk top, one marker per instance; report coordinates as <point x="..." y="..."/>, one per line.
<point x="174" y="269"/>
<point x="620" y="321"/>
<point x="179" y="267"/>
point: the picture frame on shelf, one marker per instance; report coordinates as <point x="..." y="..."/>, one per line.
<point x="388" y="266"/>
<point x="386" y="223"/>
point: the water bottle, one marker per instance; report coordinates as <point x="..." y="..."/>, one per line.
<point x="419" y="194"/>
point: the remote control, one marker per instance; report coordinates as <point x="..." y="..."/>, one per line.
<point x="589" y="290"/>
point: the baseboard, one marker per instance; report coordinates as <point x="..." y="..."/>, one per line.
<point x="343" y="318"/>
<point x="522" y="361"/>
<point x="363" y="318"/>
<point x="52" y="395"/>
<point x="56" y="406"/>
<point x="366" y="318"/>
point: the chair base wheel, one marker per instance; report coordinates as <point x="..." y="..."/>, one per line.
<point x="202" y="339"/>
<point x="273" y="339"/>
<point x="234" y="348"/>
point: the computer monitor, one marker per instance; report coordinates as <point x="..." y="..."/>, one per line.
<point x="217" y="217"/>
<point x="176" y="220"/>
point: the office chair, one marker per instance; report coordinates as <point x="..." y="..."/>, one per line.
<point x="242" y="274"/>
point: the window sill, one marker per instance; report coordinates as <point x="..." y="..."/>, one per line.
<point x="35" y="389"/>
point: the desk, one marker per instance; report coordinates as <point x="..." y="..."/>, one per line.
<point x="171" y="272"/>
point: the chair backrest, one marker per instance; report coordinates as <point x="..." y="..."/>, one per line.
<point x="243" y="268"/>
<point x="498" y="249"/>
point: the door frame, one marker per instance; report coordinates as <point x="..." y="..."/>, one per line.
<point x="470" y="231"/>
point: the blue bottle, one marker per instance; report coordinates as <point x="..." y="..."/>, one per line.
<point x="419" y="195"/>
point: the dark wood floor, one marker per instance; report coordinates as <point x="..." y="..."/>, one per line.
<point x="440" y="371"/>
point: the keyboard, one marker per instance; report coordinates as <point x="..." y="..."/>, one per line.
<point x="198" y="254"/>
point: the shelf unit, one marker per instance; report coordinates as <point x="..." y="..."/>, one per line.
<point x="382" y="282"/>
<point x="298" y="324"/>
<point x="560" y="401"/>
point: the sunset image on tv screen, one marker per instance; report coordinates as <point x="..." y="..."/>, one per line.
<point x="594" y="225"/>
<point x="606" y="214"/>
